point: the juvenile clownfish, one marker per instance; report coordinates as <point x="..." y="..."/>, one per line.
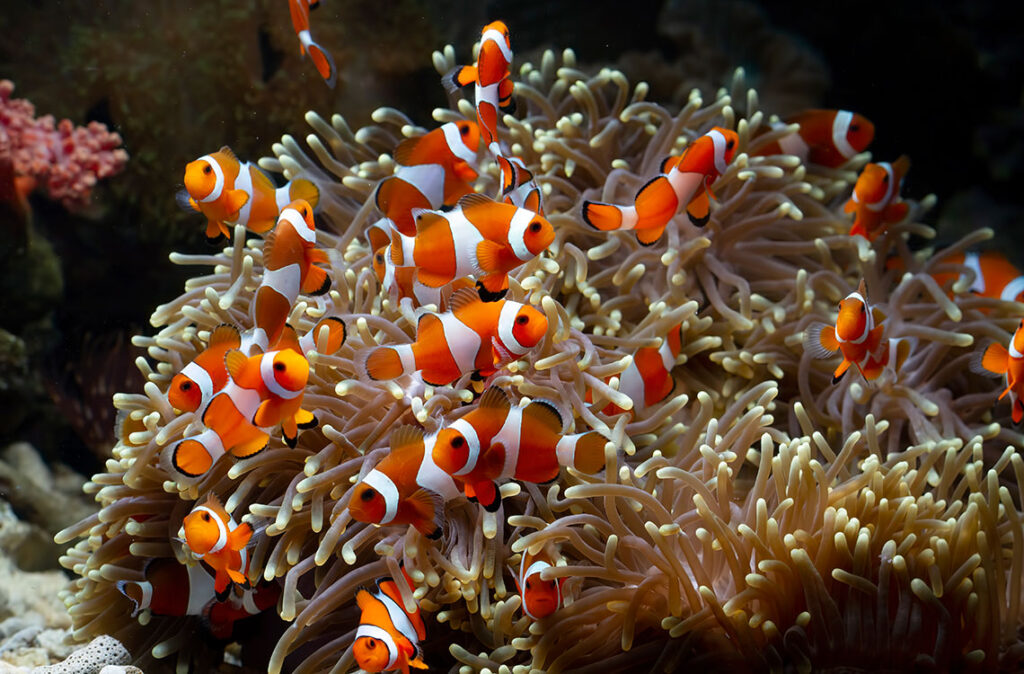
<point x="321" y="57"/>
<point x="290" y="257"/>
<point x="434" y="170"/>
<point x="229" y="192"/>
<point x="491" y="76"/>
<point x="213" y="536"/>
<point x="1008" y="361"/>
<point x="194" y="387"/>
<point x="406" y="487"/>
<point x="496" y="441"/>
<point x="401" y="283"/>
<point x="474" y="336"/>
<point x="541" y="597"/>
<point x="648" y="380"/>
<point x="828" y="138"/>
<point x="481" y="237"/>
<point x="684" y="181"/>
<point x="388" y="636"/>
<point x="858" y="335"/>
<point x="518" y="186"/>
<point x="994" y="275"/>
<point x="876" y="198"/>
<point x="265" y="390"/>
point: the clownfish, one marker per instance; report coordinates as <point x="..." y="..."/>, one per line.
<point x="401" y="283"/>
<point x="491" y="77"/>
<point x="336" y="335"/>
<point x="828" y="138"/>
<point x="1008" y="361"/>
<point x="648" y="380"/>
<point x="265" y="390"/>
<point x="229" y="192"/>
<point x="541" y="597"/>
<point x="321" y="57"/>
<point x="388" y="636"/>
<point x="214" y="537"/>
<point x="858" y="335"/>
<point x="876" y="198"/>
<point x="194" y="387"/>
<point x="473" y="336"/>
<point x="518" y="186"/>
<point x="290" y="257"/>
<point x="434" y="170"/>
<point x="994" y="275"/>
<point x="481" y="237"/>
<point x="684" y="181"/>
<point x="496" y="441"/>
<point x="406" y="487"/>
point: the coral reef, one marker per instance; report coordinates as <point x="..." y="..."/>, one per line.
<point x="760" y="517"/>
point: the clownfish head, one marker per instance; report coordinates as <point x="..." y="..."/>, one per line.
<point x="290" y="370"/>
<point x="204" y="531"/>
<point x="538" y="235"/>
<point x="530" y="326"/>
<point x="854" y="320"/>
<point x="469" y="133"/>
<point x="1017" y="342"/>
<point x="372" y="654"/>
<point x="367" y="505"/>
<point x="541" y="598"/>
<point x="873" y="184"/>
<point x="860" y="132"/>
<point x="380" y="263"/>
<point x="184" y="394"/>
<point x="305" y="212"/>
<point x="204" y="178"/>
<point x="451" y="451"/>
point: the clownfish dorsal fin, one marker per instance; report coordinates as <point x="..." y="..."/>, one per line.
<point x="234" y="361"/>
<point x="228" y="152"/>
<point x="496" y="399"/>
<point x="862" y="288"/>
<point x="364" y="599"/>
<point x="405" y="437"/>
<point x="544" y="413"/>
<point x="403" y="151"/>
<point x="214" y="504"/>
<point x="878" y="315"/>
<point x="463" y="298"/>
<point x="225" y="333"/>
<point x="475" y="200"/>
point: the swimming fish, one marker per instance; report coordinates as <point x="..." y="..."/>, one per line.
<point x="337" y="333"/>
<point x="858" y="335"/>
<point x="491" y="77"/>
<point x="320" y="57"/>
<point x="290" y="257"/>
<point x="684" y="181"/>
<point x="472" y="336"/>
<point x="229" y="192"/>
<point x="648" y="379"/>
<point x="213" y="536"/>
<point x="826" y="137"/>
<point x="401" y="283"/>
<point x="481" y="237"/>
<point x="495" y="441"/>
<point x="541" y="598"/>
<point x="994" y="275"/>
<point x="434" y="170"/>
<point x="194" y="387"/>
<point x="406" y="487"/>
<point x="388" y="636"/>
<point x="1008" y="361"/>
<point x="876" y="198"/>
<point x="518" y="186"/>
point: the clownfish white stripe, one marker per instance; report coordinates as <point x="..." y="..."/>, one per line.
<point x="399" y="618"/>
<point x="631" y="382"/>
<point x="244" y="182"/>
<point x="517" y="233"/>
<point x="222" y="531"/>
<point x="427" y="178"/>
<point x="509" y="435"/>
<point x="463" y="342"/>
<point x="248" y="603"/>
<point x="890" y="186"/>
<point x="793" y="144"/>
<point x="668" y="359"/>
<point x="495" y="36"/>
<point x="720" y="147"/>
<point x="378" y="633"/>
<point x="201" y="588"/>
<point x="267" y="372"/>
<point x="973" y="262"/>
<point x="431" y="477"/>
<point x="840" y="129"/>
<point x="1012" y="348"/>
<point x="1012" y="289"/>
<point x="473" y="442"/>
<point x="299" y="224"/>
<point x="407" y="357"/>
<point x="565" y="450"/>
<point x="245" y="400"/>
<point x="506" y="323"/>
<point x="218" y="173"/>
<point x="455" y="143"/>
<point x="201" y="378"/>
<point x="387" y="489"/>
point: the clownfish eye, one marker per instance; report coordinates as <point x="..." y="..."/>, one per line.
<point x="522" y="320"/>
<point x="535" y="226"/>
<point x="371" y="643"/>
<point x="464" y="130"/>
<point x="863" y="309"/>
<point x="368" y="494"/>
<point x="529" y="585"/>
<point x="186" y="386"/>
<point x="207" y="169"/>
<point x="279" y="366"/>
<point x="380" y="258"/>
<point x="303" y="212"/>
<point x="885" y="179"/>
<point x="458" y="441"/>
<point x="729" y="143"/>
<point x="855" y="127"/>
<point x="205" y="516"/>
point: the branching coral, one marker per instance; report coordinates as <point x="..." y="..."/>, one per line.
<point x="759" y="517"/>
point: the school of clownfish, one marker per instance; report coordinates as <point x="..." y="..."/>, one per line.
<point x="439" y="242"/>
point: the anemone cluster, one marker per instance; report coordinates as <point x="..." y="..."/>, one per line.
<point x="759" y="517"/>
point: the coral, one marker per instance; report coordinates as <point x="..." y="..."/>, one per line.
<point x="759" y="517"/>
<point x="100" y="654"/>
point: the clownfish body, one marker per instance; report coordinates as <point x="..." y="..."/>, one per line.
<point x="994" y="275"/>
<point x="474" y="336"/>
<point x="321" y="57"/>
<point x="194" y="387"/>
<point x="648" y="379"/>
<point x="406" y="487"/>
<point x="214" y="537"/>
<point x="388" y="635"/>
<point x="337" y="333"/>
<point x="481" y="237"/>
<point x="491" y="77"/>
<point x="1009" y="362"/>
<point x="290" y="257"/>
<point x="858" y="335"/>
<point x="229" y="192"/>
<point x="827" y="138"/>
<point x="876" y="200"/>
<point x="496" y="441"/>
<point x="685" y="181"/>
<point x="541" y="597"/>
<point x="402" y="284"/>
<point x="518" y="186"/>
<point x="434" y="170"/>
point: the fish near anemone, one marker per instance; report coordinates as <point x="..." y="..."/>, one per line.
<point x="320" y="57"/>
<point x="496" y="441"/>
<point x="540" y="597"/>
<point x="194" y="387"/>
<point x="648" y="378"/>
<point x="994" y="275"/>
<point x="401" y="283"/>
<point x="406" y="487"/>
<point x="490" y="74"/>
<point x="214" y="537"/>
<point x="473" y="336"/>
<point x="388" y="635"/>
<point x="1008" y="361"/>
<point x="518" y="186"/>
<point x="826" y="137"/>
<point x="876" y="201"/>
<point x="229" y="192"/>
<point x="857" y="334"/>
<point x="685" y="181"/>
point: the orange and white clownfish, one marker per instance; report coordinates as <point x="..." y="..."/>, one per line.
<point x="474" y="336"/>
<point x="481" y="237"/>
<point x="213" y="536"/>
<point x="406" y="487"/>
<point x="229" y="192"/>
<point x="684" y="181"/>
<point x="337" y="333"/>
<point x="994" y="275"/>
<point x="434" y="170"/>
<point x="194" y="387"/>
<point x="388" y="636"/>
<point x="826" y="137"/>
<point x="321" y="57"/>
<point x="858" y="335"/>
<point x="1008" y="361"/>
<point x="290" y="257"/>
<point x="496" y="441"/>
<point x="518" y="186"/>
<point x="876" y="200"/>
<point x="648" y="380"/>
<point x="541" y="597"/>
<point x="402" y="285"/>
<point x="265" y="390"/>
<point x="491" y="76"/>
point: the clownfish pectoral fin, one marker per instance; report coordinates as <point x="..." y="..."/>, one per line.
<point x="820" y="341"/>
<point x="236" y="199"/>
<point x="850" y="206"/>
<point x="268" y="413"/>
<point x="235" y="362"/>
<point x="251" y="447"/>
<point x="216" y="232"/>
<point x="429" y="508"/>
<point x="238" y="577"/>
<point x="993" y="361"/>
<point x="317" y="281"/>
<point x="240" y="536"/>
<point x="488" y="496"/>
<point x="458" y="77"/>
<point x="605" y="217"/>
<point x="650" y="236"/>
<point x="699" y="209"/>
<point x="840" y="371"/>
<point x="185" y="202"/>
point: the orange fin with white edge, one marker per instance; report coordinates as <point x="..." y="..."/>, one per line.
<point x="605" y="217"/>
<point x="993" y="361"/>
<point x="699" y="208"/>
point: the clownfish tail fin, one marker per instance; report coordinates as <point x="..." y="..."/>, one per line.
<point x="991" y="361"/>
<point x="300" y="188"/>
<point x="383" y="362"/>
<point x="605" y="217"/>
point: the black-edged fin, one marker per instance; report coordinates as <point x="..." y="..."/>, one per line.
<point x="487" y="296"/>
<point x="546" y="413"/>
<point x="184" y="201"/>
<point x="429" y="506"/>
<point x="224" y="149"/>
<point x="463" y="298"/>
<point x="406" y="435"/>
<point x="475" y="200"/>
<point x="495" y="398"/>
<point x="813" y="344"/>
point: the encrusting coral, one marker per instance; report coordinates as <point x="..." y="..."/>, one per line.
<point x="759" y="517"/>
